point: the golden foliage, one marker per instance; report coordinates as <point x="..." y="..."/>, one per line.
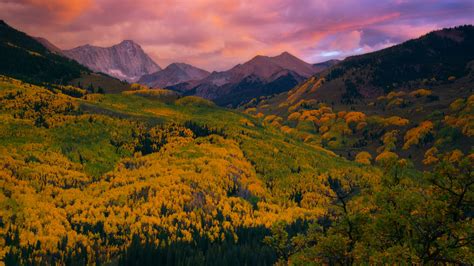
<point x="43" y="107"/>
<point x="396" y="102"/>
<point x="246" y="122"/>
<point x="354" y="118"/>
<point x="396" y="121"/>
<point x="420" y="93"/>
<point x="462" y="116"/>
<point x="273" y="120"/>
<point x="251" y="110"/>
<point x="286" y="129"/>
<point x="139" y="87"/>
<point x="386" y="158"/>
<point x="457" y="105"/>
<point x="158" y="93"/>
<point x="415" y="135"/>
<point x="294" y="116"/>
<point x="395" y="94"/>
<point x="363" y="157"/>
<point x="194" y="101"/>
<point x="389" y="140"/>
<point x="431" y="156"/>
<point x="454" y="157"/>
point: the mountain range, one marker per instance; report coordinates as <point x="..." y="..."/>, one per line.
<point x="262" y="75"/>
<point x="173" y="74"/>
<point x="440" y="54"/>
<point x="125" y="61"/>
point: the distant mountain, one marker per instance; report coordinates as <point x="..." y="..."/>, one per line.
<point x="24" y="57"/>
<point x="262" y="75"/>
<point x="172" y="75"/>
<point x="326" y="64"/>
<point x="125" y="61"/>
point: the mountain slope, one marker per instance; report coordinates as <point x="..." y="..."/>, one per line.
<point x="325" y="65"/>
<point x="293" y="63"/>
<point x="125" y="155"/>
<point x="262" y="75"/>
<point x="429" y="60"/>
<point x="125" y="61"/>
<point x="357" y="105"/>
<point x="433" y="61"/>
<point x="25" y="58"/>
<point x="173" y="74"/>
<point x="48" y="45"/>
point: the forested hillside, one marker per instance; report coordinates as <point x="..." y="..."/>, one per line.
<point x="25" y="58"/>
<point x="82" y="175"/>
<point x="433" y="59"/>
<point x="147" y="176"/>
<point x="428" y="109"/>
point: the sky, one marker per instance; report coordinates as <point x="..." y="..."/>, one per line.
<point x="216" y="35"/>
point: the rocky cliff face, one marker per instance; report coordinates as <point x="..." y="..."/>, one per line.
<point x="125" y="61"/>
<point x="172" y="75"/>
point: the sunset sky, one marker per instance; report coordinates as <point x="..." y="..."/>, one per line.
<point x="216" y="35"/>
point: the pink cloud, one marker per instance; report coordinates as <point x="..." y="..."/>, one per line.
<point x="219" y="34"/>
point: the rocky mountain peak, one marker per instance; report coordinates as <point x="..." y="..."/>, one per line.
<point x="126" y="60"/>
<point x="129" y="43"/>
<point x="173" y="74"/>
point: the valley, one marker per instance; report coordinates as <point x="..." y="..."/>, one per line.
<point x="106" y="158"/>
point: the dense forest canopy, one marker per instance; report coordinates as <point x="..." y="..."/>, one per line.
<point x="129" y="178"/>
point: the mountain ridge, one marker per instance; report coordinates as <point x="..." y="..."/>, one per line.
<point x="173" y="74"/>
<point x="24" y="57"/>
<point x="321" y="66"/>
<point x="261" y="75"/>
<point x="49" y="45"/>
<point x="425" y="61"/>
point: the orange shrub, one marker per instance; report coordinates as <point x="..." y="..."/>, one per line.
<point x="386" y="157"/>
<point x="389" y="140"/>
<point x="396" y="94"/>
<point x="431" y="156"/>
<point x="363" y="157"/>
<point x="353" y="118"/>
<point x="396" y="121"/>
<point x="294" y="116"/>
<point x="420" y="93"/>
<point x="417" y="134"/>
